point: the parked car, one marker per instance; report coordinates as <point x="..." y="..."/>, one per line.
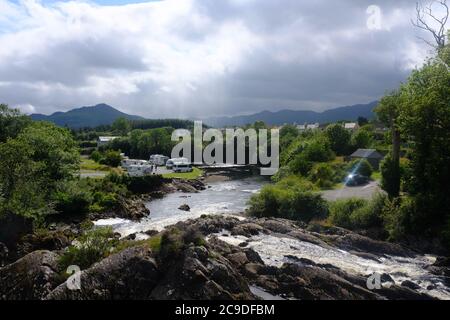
<point x="171" y="162"/>
<point x="354" y="180"/>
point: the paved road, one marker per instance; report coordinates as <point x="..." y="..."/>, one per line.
<point x="345" y="192"/>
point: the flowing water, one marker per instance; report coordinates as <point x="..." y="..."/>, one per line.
<point x="226" y="197"/>
<point x="231" y="197"/>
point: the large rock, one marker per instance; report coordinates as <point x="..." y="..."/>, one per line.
<point x="31" y="277"/>
<point x="200" y="275"/>
<point x="130" y="274"/>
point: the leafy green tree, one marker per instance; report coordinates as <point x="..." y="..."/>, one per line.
<point x="390" y="176"/>
<point x="362" y="121"/>
<point x="361" y="167"/>
<point x="426" y="123"/>
<point x="122" y="126"/>
<point x="111" y="158"/>
<point x="12" y="122"/>
<point x="339" y="138"/>
<point x="361" y="139"/>
<point x="388" y="111"/>
<point x="33" y="166"/>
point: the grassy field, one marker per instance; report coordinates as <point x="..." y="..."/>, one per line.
<point x="91" y="165"/>
<point x="196" y="173"/>
<point x="88" y="166"/>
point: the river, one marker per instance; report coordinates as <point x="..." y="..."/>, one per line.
<point x="231" y="198"/>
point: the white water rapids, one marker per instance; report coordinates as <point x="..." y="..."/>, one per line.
<point x="230" y="197"/>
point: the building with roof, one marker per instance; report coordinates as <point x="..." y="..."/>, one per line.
<point x="371" y="155"/>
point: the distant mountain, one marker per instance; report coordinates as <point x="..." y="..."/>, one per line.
<point x="101" y="114"/>
<point x="300" y="117"/>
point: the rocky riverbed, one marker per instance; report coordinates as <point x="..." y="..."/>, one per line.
<point x="239" y="257"/>
<point x="234" y="263"/>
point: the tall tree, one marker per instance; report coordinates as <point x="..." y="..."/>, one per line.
<point x="388" y="111"/>
<point x="12" y="122"/>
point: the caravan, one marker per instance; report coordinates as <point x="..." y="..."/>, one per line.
<point x="158" y="159"/>
<point x="179" y="165"/>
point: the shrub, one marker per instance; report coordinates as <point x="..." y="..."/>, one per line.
<point x="142" y="184"/>
<point x="92" y="246"/>
<point x="72" y="199"/>
<point x="361" y="167"/>
<point x="174" y="241"/>
<point x="323" y="175"/>
<point x="111" y="158"/>
<point x="341" y="211"/>
<point x="358" y="213"/>
<point x="96" y="156"/>
<point x="291" y="198"/>
<point x="390" y="176"/>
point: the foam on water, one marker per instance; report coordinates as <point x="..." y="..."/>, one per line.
<point x="274" y="251"/>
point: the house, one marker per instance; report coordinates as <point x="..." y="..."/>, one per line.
<point x="313" y="126"/>
<point x="371" y="155"/>
<point x="351" y="126"/>
<point x="101" y="141"/>
<point x="301" y="127"/>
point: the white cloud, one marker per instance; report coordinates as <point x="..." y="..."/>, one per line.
<point x="192" y="57"/>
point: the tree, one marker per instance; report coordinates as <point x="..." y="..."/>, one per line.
<point x="339" y="138"/>
<point x="426" y="17"/>
<point x="390" y="177"/>
<point x="122" y="126"/>
<point x="426" y="123"/>
<point x="111" y="158"/>
<point x="33" y="166"/>
<point x="361" y="139"/>
<point x="362" y="121"/>
<point x="12" y="122"/>
<point x="388" y="111"/>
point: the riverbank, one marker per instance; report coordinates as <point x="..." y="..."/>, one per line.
<point x="222" y="254"/>
<point x="218" y="257"/>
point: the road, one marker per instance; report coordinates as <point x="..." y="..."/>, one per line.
<point x="365" y="192"/>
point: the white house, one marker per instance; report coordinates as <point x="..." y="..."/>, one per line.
<point x="351" y="126"/>
<point x="101" y="141"/>
<point x="313" y="126"/>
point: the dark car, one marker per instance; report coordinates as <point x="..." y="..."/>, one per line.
<point x="354" y="180"/>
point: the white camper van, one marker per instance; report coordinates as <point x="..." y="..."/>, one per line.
<point x="158" y="159"/>
<point x="182" y="167"/>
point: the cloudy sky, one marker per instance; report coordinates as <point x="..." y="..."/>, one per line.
<point x="192" y="58"/>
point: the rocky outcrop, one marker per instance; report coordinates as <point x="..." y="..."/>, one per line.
<point x="130" y="274"/>
<point x="31" y="277"/>
<point x="136" y="273"/>
<point x="202" y="275"/>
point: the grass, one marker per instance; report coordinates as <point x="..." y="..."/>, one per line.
<point x="92" y="166"/>
<point x="196" y="173"/>
<point x="376" y="175"/>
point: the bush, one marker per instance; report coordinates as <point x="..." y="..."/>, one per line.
<point x="143" y="184"/>
<point x="92" y="246"/>
<point x="358" y="213"/>
<point x="111" y="158"/>
<point x="72" y="199"/>
<point x="291" y="198"/>
<point x="361" y="167"/>
<point x="390" y="176"/>
<point x="323" y="175"/>
<point x="174" y="241"/>
<point x="341" y="211"/>
<point x="96" y="156"/>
